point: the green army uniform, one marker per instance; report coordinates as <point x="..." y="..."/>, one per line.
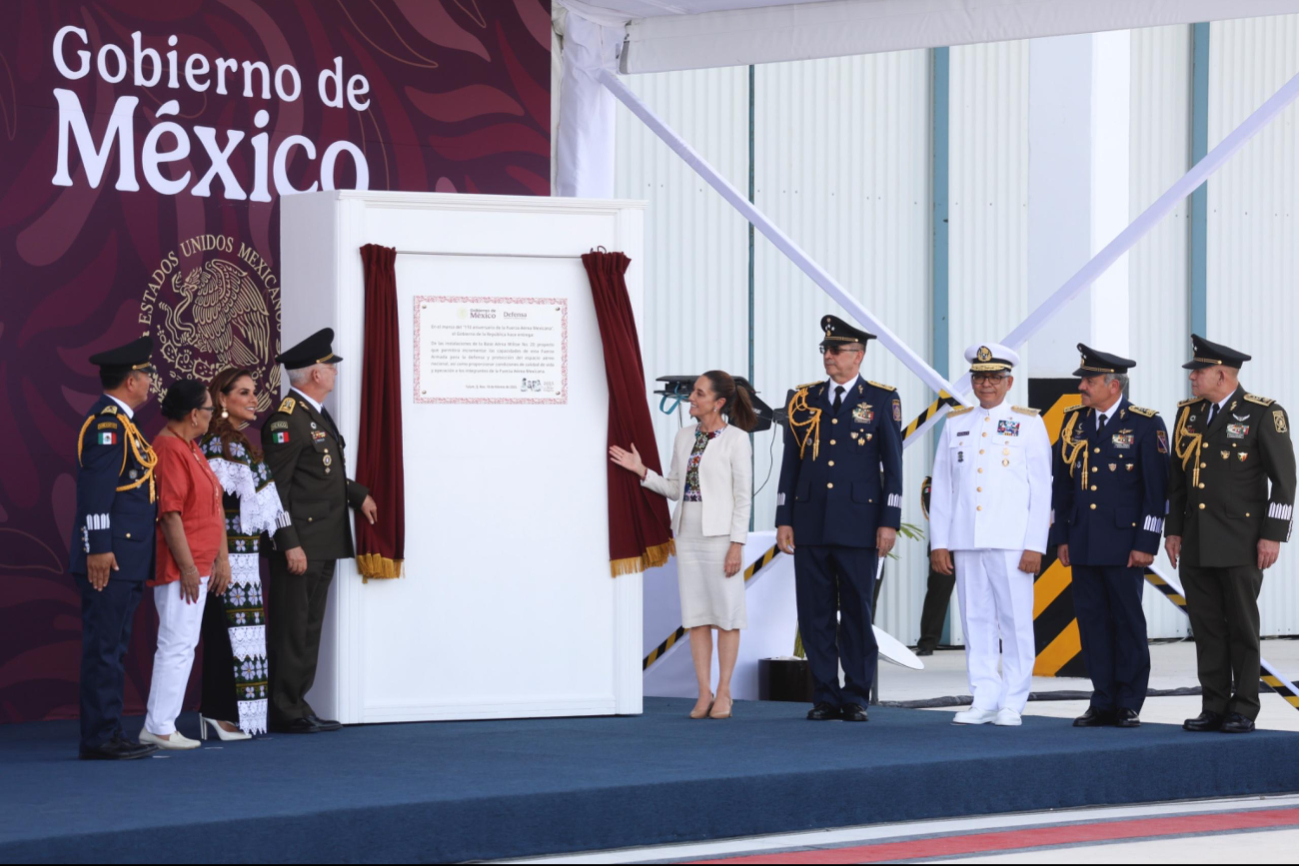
<point x="1220" y="505"/>
<point x="304" y="451"/>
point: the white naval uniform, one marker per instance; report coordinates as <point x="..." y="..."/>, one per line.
<point x="991" y="502"/>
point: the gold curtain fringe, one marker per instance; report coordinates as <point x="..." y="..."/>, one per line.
<point x="652" y="558"/>
<point x="374" y="566"/>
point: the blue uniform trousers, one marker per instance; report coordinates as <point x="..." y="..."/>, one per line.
<point x="106" y="619"/>
<point x="1112" y="626"/>
<point x="829" y="580"/>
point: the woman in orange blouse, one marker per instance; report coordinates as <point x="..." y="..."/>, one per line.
<point x="191" y="551"/>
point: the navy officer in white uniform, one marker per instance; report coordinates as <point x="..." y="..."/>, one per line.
<point x="840" y="497"/>
<point x="990" y="510"/>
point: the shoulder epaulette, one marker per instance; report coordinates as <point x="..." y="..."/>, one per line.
<point x="1069" y="409"/>
<point x="808" y="385"/>
<point x="287" y="405"/>
<point x="1024" y="410"/>
<point x="109" y="410"/>
<point x="881" y="385"/>
<point x="959" y="410"/>
<point x="1262" y="401"/>
<point x="1141" y="410"/>
<point x="1186" y="403"/>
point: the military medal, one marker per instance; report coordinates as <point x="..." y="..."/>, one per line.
<point x="1242" y="455"/>
<point x="863" y="413"/>
<point x="1225" y="454"/>
<point x="313" y="425"/>
<point x="1114" y="467"/>
<point x="1123" y="439"/>
<point x="329" y="461"/>
<point x="1131" y="466"/>
<point x="1237" y="431"/>
<point x="1007" y="428"/>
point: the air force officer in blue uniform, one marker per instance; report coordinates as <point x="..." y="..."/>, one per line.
<point x="112" y="543"/>
<point x="1109" y="501"/>
<point x="840" y="499"/>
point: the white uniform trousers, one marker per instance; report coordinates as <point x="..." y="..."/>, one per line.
<point x="996" y="601"/>
<point x="179" y="628"/>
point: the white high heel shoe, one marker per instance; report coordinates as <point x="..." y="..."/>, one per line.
<point x="222" y="734"/>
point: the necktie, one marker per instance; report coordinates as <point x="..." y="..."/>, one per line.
<point x="1213" y="410"/>
<point x="1100" y="424"/>
<point x="838" y="398"/>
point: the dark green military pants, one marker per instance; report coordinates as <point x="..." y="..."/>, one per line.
<point x="1223" y="606"/>
<point x="293" y="624"/>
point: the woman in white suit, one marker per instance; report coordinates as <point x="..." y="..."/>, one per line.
<point x="711" y="473"/>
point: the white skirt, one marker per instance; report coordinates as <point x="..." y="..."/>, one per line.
<point x="708" y="596"/>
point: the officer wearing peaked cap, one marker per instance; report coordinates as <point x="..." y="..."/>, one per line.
<point x="990" y="511"/>
<point x="1110" y="486"/>
<point x="304" y="450"/>
<point x="1226" y="527"/>
<point x="838" y="509"/>
<point x="112" y="542"/>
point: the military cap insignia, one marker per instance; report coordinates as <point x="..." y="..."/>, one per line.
<point x="984" y="355"/>
<point x="881" y="385"/>
<point x="1261" y="401"/>
<point x="1024" y="410"/>
<point x="1278" y="420"/>
<point x="1141" y="410"/>
<point x="287" y="405"/>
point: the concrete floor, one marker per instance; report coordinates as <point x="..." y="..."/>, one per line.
<point x="1172" y="666"/>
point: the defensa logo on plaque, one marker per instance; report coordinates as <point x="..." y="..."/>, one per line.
<point x="491" y="350"/>
<point x="210" y="304"/>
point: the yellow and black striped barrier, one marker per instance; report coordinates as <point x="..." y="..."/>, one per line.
<point x="944" y="399"/>
<point x="657" y="653"/>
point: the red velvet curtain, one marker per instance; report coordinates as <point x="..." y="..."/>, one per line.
<point x="381" y="548"/>
<point x="640" y="536"/>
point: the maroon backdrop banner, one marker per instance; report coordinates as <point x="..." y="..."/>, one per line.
<point x="144" y="145"/>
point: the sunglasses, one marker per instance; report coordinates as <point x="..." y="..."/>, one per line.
<point x="987" y="377"/>
<point x="836" y="348"/>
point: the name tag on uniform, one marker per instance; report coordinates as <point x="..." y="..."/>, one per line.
<point x="862" y="413"/>
<point x="1122" y="440"/>
<point x="1007" y="428"/>
<point x="964" y="433"/>
<point x="1237" y="431"/>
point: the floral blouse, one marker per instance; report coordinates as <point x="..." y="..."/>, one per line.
<point x="692" y="493"/>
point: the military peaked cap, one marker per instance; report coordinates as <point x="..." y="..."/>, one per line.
<point x="991" y="357"/>
<point x="124" y="359"/>
<point x="1209" y="354"/>
<point x="316" y="349"/>
<point x="1095" y="363"/>
<point x="836" y="330"/>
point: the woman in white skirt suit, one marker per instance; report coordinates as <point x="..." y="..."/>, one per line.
<point x="711" y="473"/>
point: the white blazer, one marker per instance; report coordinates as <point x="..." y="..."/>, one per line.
<point x="725" y="481"/>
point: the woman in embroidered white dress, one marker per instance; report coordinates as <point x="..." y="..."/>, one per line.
<point x="234" y="631"/>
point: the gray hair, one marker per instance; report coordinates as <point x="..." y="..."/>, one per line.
<point x="300" y="376"/>
<point x="1121" y="378"/>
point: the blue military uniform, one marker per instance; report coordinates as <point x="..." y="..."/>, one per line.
<point x="1109" y="498"/>
<point x="116" y="513"/>
<point x="840" y="481"/>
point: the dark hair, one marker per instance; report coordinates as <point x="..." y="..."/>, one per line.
<point x="183" y="397"/>
<point x="111" y="378"/>
<point x="738" y="408"/>
<point x="222" y="384"/>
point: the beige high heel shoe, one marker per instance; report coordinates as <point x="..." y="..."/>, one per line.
<point x="695" y="714"/>
<point x="725" y="715"/>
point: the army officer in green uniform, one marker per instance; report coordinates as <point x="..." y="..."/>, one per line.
<point x="304" y="450"/>
<point x="1225" y="527"/>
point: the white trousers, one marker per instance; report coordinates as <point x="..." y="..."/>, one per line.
<point x="179" y="627"/>
<point x="996" y="601"/>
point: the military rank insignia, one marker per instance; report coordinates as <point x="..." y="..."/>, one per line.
<point x="897" y="411"/>
<point x="1123" y="439"/>
<point x="1007" y="428"/>
<point x="863" y="413"/>
<point x="280" y="437"/>
<point x="1278" y="420"/>
<point x="1237" y="431"/>
<point x="1161" y="441"/>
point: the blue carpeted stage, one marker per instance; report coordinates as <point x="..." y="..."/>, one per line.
<point x="467" y="790"/>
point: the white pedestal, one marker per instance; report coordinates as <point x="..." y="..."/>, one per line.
<point x="507" y="609"/>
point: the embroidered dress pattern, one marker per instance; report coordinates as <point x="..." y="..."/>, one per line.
<point x="692" y="493"/>
<point x="252" y="506"/>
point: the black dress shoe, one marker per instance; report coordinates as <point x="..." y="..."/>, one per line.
<point x="924" y="651"/>
<point x="1094" y="718"/>
<point x="853" y="713"/>
<point x="823" y="713"/>
<point x="325" y="724"/>
<point x="297" y="726"/>
<point x="117" y="749"/>
<point x="1127" y="718"/>
<point x="1235" y="723"/>
<point x="1205" y="721"/>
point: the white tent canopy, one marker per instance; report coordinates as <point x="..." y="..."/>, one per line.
<point x="665" y="35"/>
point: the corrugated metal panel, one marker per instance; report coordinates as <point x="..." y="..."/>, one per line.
<point x="1157" y="266"/>
<point x="842" y="159"/>
<point x="988" y="198"/>
<point x="1253" y="239"/>
<point x="696" y="312"/>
